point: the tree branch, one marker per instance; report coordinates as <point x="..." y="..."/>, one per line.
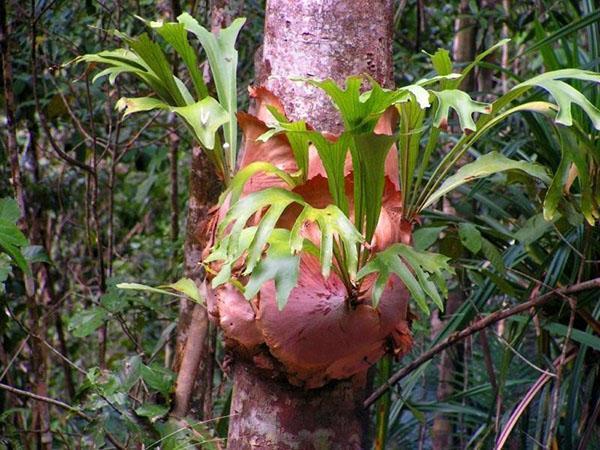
<point x="474" y="328"/>
<point x="49" y="400"/>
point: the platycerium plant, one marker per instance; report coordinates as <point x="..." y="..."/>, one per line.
<point x="312" y="260"/>
<point x="311" y="263"/>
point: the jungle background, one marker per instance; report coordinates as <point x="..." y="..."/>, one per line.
<point x="106" y="198"/>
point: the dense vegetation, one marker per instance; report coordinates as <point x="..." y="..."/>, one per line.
<point x="101" y="200"/>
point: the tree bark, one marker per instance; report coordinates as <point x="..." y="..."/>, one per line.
<point x="465" y="44"/>
<point x="316" y="39"/>
<point x="37" y="290"/>
<point x="193" y="369"/>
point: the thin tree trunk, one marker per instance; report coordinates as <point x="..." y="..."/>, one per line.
<point x="320" y="39"/>
<point x="193" y="320"/>
<point x="193" y="359"/>
<point x="37" y="298"/>
<point x="464" y="45"/>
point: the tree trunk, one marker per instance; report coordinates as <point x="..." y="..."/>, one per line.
<point x="317" y="39"/>
<point x="192" y="359"/>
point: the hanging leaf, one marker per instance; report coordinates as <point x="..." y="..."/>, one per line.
<point x="470" y="237"/>
<point x="86" y="321"/>
<point x="139" y="104"/>
<point x="270" y="203"/>
<point x="176" y="35"/>
<point x="11" y="238"/>
<point x="223" y="59"/>
<point x="241" y="178"/>
<point x="425" y="237"/>
<point x="400" y="259"/>
<point x="564" y="94"/>
<point x="155" y="60"/>
<point x="279" y="264"/>
<point x="334" y="226"/>
<point x="369" y="153"/>
<point x="9" y="210"/>
<point x="183" y="286"/>
<point x="464" y="106"/>
<point x="493" y="255"/>
<point x="485" y="165"/>
<point x="333" y="156"/>
<point x="298" y="137"/>
<point x="360" y="111"/>
<point x="204" y="117"/>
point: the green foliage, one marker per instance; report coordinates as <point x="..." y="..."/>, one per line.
<point x="203" y="115"/>
<point x="12" y="240"/>
<point x="520" y="253"/>
<point x="429" y="269"/>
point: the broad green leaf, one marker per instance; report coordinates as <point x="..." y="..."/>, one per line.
<point x="126" y="61"/>
<point x="223" y="59"/>
<point x="240" y="212"/>
<point x="333" y="157"/>
<point x="176" y="35"/>
<point x="220" y="252"/>
<point x="534" y="228"/>
<point x="576" y="159"/>
<point x="564" y="94"/>
<point x="187" y="287"/>
<point x="441" y="61"/>
<point x="183" y="286"/>
<point x="470" y="236"/>
<point x="86" y="321"/>
<point x="386" y="263"/>
<point x="360" y="111"/>
<point x="9" y="210"/>
<point x="428" y="267"/>
<point x="152" y="411"/>
<point x="464" y="106"/>
<point x="485" y="165"/>
<point x="155" y="59"/>
<point x="11" y="238"/>
<point x="420" y="94"/>
<point x="15" y="255"/>
<point x="368" y="159"/>
<point x="579" y="156"/>
<point x="279" y="264"/>
<point x="10" y="234"/>
<point x="335" y="226"/>
<point x="242" y="176"/>
<point x="296" y="132"/>
<point x="555" y="191"/>
<point x="139" y="104"/>
<point x="158" y="378"/>
<point x="493" y="255"/>
<point x="204" y="117"/>
<point x="425" y="237"/>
